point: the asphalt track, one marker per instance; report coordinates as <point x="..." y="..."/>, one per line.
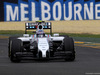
<point x="87" y="63"/>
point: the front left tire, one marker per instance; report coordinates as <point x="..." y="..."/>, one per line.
<point x="69" y="47"/>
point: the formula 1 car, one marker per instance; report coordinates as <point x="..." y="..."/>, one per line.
<point x="40" y="45"/>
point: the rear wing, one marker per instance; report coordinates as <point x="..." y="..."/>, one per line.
<point x="34" y="26"/>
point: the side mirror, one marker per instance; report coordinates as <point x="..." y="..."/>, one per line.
<point x="55" y="35"/>
<point x="26" y="35"/>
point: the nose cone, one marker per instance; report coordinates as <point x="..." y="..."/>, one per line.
<point x="43" y="46"/>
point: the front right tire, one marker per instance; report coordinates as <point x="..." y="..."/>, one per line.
<point x="15" y="46"/>
<point x="10" y="39"/>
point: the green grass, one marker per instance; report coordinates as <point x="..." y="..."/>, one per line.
<point x="82" y="35"/>
<point x="13" y="32"/>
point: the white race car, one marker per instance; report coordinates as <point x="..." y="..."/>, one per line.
<point x="40" y="45"/>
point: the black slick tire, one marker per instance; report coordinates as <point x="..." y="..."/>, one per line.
<point x="15" y="46"/>
<point x="69" y="46"/>
<point x="10" y="39"/>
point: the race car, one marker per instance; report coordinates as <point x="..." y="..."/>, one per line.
<point x="40" y="45"/>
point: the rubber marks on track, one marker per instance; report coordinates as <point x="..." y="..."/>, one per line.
<point x="3" y="37"/>
<point x="87" y="44"/>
